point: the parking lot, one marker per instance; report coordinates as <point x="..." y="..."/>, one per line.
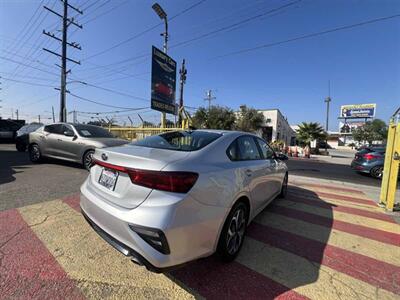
<point x="324" y="241"/>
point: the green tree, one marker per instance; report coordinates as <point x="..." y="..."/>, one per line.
<point x="309" y="132"/>
<point x="249" y="119"/>
<point x="216" y="118"/>
<point x="375" y="130"/>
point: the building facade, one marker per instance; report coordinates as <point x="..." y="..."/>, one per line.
<point x="276" y="127"/>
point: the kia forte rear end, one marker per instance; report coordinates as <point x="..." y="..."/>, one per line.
<point x="179" y="196"/>
<point x="138" y="199"/>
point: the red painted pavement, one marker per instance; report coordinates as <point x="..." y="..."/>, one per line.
<point x="73" y="201"/>
<point x="345" y="209"/>
<point x="375" y="272"/>
<point x="330" y="187"/>
<point x="215" y="280"/>
<point x="363" y="231"/>
<point x="27" y="268"/>
<point x="297" y="192"/>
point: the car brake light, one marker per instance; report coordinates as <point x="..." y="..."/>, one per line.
<point x="369" y="156"/>
<point x="177" y="182"/>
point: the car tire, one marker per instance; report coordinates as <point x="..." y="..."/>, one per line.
<point x="284" y="187"/>
<point x="87" y="159"/>
<point x="377" y="172"/>
<point x="20" y="147"/>
<point x="35" y="155"/>
<point x="233" y="232"/>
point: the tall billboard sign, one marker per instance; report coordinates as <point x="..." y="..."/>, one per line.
<point x="358" y="111"/>
<point x="163" y="82"/>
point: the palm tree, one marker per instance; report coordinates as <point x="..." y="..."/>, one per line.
<point x="309" y="132"/>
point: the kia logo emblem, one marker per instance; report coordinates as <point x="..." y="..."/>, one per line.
<point x="104" y="156"/>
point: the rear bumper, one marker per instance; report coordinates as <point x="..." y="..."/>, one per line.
<point x="191" y="228"/>
<point x="360" y="167"/>
<point x="124" y="249"/>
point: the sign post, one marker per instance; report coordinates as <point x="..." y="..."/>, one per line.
<point x="163" y="82"/>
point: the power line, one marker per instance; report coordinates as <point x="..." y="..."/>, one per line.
<point x="98" y="103"/>
<point x="28" y="66"/>
<point x="25" y="82"/>
<point x="22" y="35"/>
<point x="143" y="32"/>
<point x="236" y="24"/>
<point x="27" y="76"/>
<point x="66" y="22"/>
<point x="117" y="92"/>
<point x="105" y="12"/>
<point x="306" y="36"/>
<point x="112" y="112"/>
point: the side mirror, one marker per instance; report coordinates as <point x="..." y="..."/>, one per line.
<point x="69" y="133"/>
<point x="281" y="156"/>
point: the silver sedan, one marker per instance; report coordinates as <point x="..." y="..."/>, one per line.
<point x="175" y="197"/>
<point x="68" y="141"/>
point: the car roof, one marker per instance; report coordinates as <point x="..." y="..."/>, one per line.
<point x="225" y="132"/>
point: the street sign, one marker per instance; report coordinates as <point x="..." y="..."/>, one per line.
<point x="163" y="82"/>
<point x="358" y="111"/>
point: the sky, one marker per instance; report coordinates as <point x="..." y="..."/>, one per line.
<point x="362" y="63"/>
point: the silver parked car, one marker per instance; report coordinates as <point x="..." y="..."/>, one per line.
<point x="72" y="142"/>
<point x="175" y="197"/>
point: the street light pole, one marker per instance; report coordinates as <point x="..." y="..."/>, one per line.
<point x="163" y="16"/>
<point x="327" y="101"/>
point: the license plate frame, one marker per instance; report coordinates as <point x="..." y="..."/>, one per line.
<point x="108" y="178"/>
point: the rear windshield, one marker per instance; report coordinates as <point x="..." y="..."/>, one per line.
<point x="368" y="150"/>
<point x="91" y="131"/>
<point x="179" y="140"/>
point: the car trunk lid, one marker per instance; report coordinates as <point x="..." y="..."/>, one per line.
<point x="111" y="181"/>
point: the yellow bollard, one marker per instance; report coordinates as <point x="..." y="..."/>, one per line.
<point x="391" y="166"/>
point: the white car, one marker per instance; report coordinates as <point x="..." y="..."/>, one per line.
<point x="175" y="197"/>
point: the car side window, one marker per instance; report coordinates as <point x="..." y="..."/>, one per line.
<point x="66" y="128"/>
<point x="55" y="128"/>
<point x="233" y="152"/>
<point x="248" y="149"/>
<point x="266" y="150"/>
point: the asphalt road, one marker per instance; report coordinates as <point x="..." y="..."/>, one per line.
<point x="23" y="183"/>
<point x="331" y="171"/>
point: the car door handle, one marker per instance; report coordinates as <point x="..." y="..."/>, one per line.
<point x="249" y="172"/>
<point x="60" y="140"/>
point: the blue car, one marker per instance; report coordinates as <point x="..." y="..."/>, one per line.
<point x="370" y="160"/>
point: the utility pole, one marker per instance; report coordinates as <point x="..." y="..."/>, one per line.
<point x="163" y="16"/>
<point x="65" y="24"/>
<point x="327" y="101"/>
<point x="209" y="98"/>
<point x="182" y="73"/>
<point x="39" y="118"/>
<point x="17" y="114"/>
<point x="12" y="113"/>
<point x="52" y="111"/>
<point x="75" y="117"/>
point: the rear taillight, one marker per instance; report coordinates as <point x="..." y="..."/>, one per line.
<point x="177" y="182"/>
<point x="370" y="156"/>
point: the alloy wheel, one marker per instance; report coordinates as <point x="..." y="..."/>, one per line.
<point x="236" y="231"/>
<point x="88" y="159"/>
<point x="377" y="172"/>
<point x="35" y="153"/>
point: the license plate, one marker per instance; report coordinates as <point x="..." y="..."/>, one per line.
<point x="108" y="178"/>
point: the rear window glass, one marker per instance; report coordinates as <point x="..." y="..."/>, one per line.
<point x="179" y="140"/>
